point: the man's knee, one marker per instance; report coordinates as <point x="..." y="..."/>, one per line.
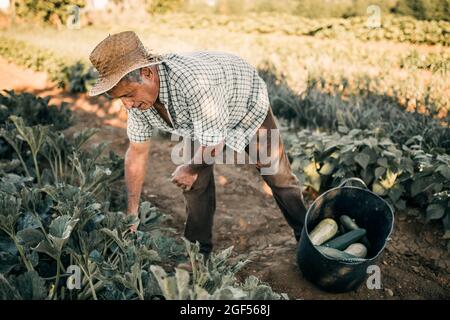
<point x="281" y="180"/>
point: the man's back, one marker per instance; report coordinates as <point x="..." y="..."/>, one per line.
<point x="222" y="91"/>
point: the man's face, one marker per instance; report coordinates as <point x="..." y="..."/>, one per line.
<point x="140" y="95"/>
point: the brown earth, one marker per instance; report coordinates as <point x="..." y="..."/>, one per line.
<point x="415" y="264"/>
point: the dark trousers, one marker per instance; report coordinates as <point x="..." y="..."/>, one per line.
<point x="201" y="199"/>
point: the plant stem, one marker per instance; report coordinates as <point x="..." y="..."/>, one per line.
<point x="141" y="287"/>
<point x="26" y="262"/>
<point x="58" y="267"/>
<point x="38" y="175"/>
<point x="24" y="165"/>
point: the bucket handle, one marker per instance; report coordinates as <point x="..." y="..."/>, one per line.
<point x="352" y="179"/>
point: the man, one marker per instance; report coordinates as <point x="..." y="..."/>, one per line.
<point x="216" y="99"/>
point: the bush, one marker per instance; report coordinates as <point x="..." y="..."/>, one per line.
<point x="393" y="27"/>
<point x="49" y="11"/>
<point x="163" y="6"/>
<point x="328" y="112"/>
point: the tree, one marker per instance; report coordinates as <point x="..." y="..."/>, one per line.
<point x="49" y="11"/>
<point x="164" y="6"/>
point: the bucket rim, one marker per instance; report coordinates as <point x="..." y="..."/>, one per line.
<point x="391" y="210"/>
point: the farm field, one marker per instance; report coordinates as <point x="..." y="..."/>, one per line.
<point x="350" y="104"/>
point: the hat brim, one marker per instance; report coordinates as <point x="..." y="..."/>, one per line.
<point x="104" y="84"/>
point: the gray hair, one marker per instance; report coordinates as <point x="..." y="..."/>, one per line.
<point x="133" y="76"/>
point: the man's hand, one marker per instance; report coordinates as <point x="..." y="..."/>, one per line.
<point x="133" y="221"/>
<point x="184" y="177"/>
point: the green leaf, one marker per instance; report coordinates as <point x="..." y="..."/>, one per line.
<point x="435" y="211"/>
<point x="420" y="185"/>
<point x="446" y="235"/>
<point x="147" y="254"/>
<point x="330" y="145"/>
<point x="388" y="153"/>
<point x="347" y="148"/>
<point x="30" y="237"/>
<point x="370" y="142"/>
<point x="30" y="286"/>
<point x="47" y="248"/>
<point x="60" y="231"/>
<point x="444" y="171"/>
<point x="167" y="284"/>
<point x="62" y="226"/>
<point x="9" y="261"/>
<point x="182" y="279"/>
<point x="7" y="291"/>
<point x="395" y="193"/>
<point x="379" y="171"/>
<point x="362" y="159"/>
<point x="343" y="129"/>
<point x="9" y="212"/>
<point x="400" y="204"/>
<point x="383" y="162"/>
<point x="34" y="136"/>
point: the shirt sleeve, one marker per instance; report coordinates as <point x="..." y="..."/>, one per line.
<point x="209" y="114"/>
<point x="138" y="127"/>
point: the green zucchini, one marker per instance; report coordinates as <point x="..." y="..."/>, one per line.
<point x="357" y="249"/>
<point x="345" y="240"/>
<point x="337" y="254"/>
<point x="324" y="231"/>
<point x="349" y="224"/>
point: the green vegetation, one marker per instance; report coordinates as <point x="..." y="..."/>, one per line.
<point x="60" y="207"/>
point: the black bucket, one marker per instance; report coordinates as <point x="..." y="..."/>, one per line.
<point x="369" y="211"/>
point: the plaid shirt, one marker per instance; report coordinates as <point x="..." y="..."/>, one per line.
<point x="209" y="96"/>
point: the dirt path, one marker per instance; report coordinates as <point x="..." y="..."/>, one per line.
<point x="415" y="264"/>
<point x="14" y="77"/>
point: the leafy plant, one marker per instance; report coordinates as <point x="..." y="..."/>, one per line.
<point x="315" y="109"/>
<point x="211" y="279"/>
<point x="56" y="212"/>
<point x="407" y="176"/>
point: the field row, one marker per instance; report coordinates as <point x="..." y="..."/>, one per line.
<point x="388" y="27"/>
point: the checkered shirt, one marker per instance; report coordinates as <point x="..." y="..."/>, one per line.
<point x="210" y="96"/>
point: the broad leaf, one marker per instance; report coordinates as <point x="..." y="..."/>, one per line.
<point x="362" y="159"/>
<point x="435" y="211"/>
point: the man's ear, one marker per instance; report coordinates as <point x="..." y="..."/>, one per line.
<point x="147" y="73"/>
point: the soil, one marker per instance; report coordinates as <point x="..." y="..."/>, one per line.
<point x="414" y="265"/>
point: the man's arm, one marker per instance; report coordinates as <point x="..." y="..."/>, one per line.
<point x="135" y="169"/>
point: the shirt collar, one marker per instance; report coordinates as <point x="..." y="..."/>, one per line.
<point x="163" y="85"/>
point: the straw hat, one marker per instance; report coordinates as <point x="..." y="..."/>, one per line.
<point x="116" y="56"/>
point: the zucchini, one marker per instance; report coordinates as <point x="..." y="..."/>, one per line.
<point x="324" y="231"/>
<point x="357" y="249"/>
<point x="345" y="240"/>
<point x="349" y="224"/>
<point x="337" y="254"/>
